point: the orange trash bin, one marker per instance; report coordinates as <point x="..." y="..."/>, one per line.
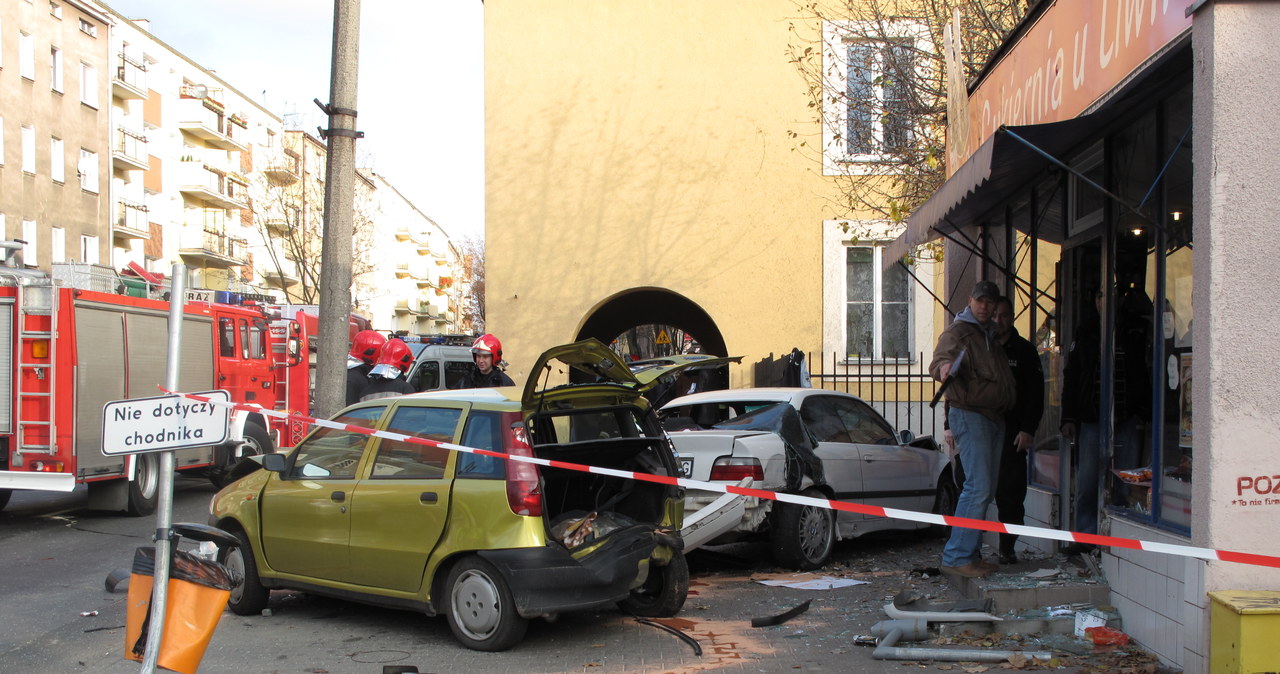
<point x="198" y="593"/>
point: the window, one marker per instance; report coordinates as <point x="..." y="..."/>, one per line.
<point x="57" y="244"/>
<point x="28" y="149"/>
<point x="484" y="431"/>
<point x="88" y="28"/>
<point x="29" y="249"/>
<point x="26" y="56"/>
<point x="89" y="249"/>
<point x="88" y="85"/>
<point x="88" y="168"/>
<point x="57" y="161"/>
<point x="877" y="306"/>
<point x="227" y="337"/>
<point x="55" y="69"/>
<point x="333" y="454"/>
<point x="400" y="459"/>
<point x="868" y="98"/>
<point x="55" y="10"/>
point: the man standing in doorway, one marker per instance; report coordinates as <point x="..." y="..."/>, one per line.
<point x="974" y="369"/>
<point x="1020" y="425"/>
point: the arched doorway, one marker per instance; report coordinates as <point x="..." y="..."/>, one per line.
<point x="644" y="306"/>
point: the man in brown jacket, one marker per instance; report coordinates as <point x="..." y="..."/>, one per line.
<point x="981" y="391"/>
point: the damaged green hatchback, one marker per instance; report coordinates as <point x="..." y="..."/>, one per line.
<point x="488" y="543"/>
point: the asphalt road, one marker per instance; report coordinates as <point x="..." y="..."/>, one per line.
<point x="56" y="556"/>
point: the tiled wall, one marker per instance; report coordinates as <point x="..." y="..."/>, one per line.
<point x="1160" y="597"/>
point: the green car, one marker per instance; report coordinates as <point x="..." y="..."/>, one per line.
<point x="488" y="543"/>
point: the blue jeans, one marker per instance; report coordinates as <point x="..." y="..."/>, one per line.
<point x="978" y="441"/>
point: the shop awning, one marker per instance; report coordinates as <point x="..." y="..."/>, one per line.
<point x="999" y="168"/>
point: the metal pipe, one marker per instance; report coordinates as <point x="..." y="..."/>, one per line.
<point x="940" y="616"/>
<point x="890" y="632"/>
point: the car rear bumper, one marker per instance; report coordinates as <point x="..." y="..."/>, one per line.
<point x="549" y="580"/>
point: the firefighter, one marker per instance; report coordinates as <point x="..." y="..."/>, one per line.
<point x="386" y="379"/>
<point x="486" y="357"/>
<point x="364" y="350"/>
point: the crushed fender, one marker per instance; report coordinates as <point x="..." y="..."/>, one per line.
<point x="769" y="621"/>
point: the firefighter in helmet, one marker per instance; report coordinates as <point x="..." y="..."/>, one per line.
<point x="360" y="360"/>
<point x="487" y="364"/>
<point x="387" y="379"/>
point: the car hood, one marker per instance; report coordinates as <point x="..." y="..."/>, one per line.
<point x="610" y="372"/>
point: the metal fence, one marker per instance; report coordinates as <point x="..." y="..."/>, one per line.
<point x="900" y="389"/>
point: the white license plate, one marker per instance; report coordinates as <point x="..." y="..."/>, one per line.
<point x="686" y="467"/>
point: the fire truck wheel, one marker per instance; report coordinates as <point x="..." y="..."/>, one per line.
<point x="4" y="497"/>
<point x="248" y="596"/>
<point x="144" y="490"/>
<point x="257" y="441"/>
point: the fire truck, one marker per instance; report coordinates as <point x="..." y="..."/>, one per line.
<point x="69" y="350"/>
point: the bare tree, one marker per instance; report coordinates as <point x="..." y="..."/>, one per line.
<point x="473" y="288"/>
<point x="877" y="79"/>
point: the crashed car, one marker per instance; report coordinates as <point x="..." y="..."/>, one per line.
<point x="812" y="442"/>
<point x="488" y="543"/>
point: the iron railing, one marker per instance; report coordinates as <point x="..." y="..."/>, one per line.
<point x="898" y="388"/>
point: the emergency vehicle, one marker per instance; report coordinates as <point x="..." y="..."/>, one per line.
<point x="67" y="351"/>
<point x="440" y="361"/>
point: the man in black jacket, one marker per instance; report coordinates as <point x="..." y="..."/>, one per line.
<point x="486" y="355"/>
<point x="1020" y="424"/>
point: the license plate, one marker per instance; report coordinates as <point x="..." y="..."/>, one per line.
<point x="686" y="467"/>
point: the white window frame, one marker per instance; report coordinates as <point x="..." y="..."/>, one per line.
<point x="57" y="160"/>
<point x="837" y="237"/>
<point x="55" y="10"/>
<point x="26" y="55"/>
<point x="836" y="36"/>
<point x="88" y="28"/>
<point x="28" y="149"/>
<point x="88" y="84"/>
<point x="89" y="249"/>
<point x="87" y="167"/>
<point x="30" y="249"/>
<point x="57" y="244"/>
<point x="55" y="68"/>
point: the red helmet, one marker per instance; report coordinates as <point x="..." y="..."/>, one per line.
<point x="365" y="346"/>
<point x="397" y="354"/>
<point x="487" y="343"/>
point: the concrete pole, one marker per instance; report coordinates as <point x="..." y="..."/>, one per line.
<point x="339" y="205"/>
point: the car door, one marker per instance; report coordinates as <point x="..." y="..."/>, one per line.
<point x="306" y="519"/>
<point x="841" y="460"/>
<point x="893" y="476"/>
<point x="400" y="509"/>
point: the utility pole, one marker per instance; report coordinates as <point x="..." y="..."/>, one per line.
<point x="339" y="205"/>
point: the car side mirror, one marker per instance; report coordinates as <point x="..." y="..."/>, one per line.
<point x="906" y="437"/>
<point x="274" y="462"/>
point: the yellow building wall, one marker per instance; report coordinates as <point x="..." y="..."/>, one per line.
<point x="644" y="144"/>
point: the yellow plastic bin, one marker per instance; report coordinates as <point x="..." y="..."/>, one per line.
<point x="1244" y="630"/>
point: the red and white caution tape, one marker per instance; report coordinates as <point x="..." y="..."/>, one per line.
<point x="729" y="488"/>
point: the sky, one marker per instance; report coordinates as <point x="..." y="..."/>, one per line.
<point x="420" y="91"/>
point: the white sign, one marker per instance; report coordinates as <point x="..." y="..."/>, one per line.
<point x="164" y="422"/>
<point x="200" y="296"/>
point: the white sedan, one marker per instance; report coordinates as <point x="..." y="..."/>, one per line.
<point x="813" y="442"/>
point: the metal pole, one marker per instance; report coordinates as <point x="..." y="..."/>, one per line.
<point x="339" y="203"/>
<point x="164" y="506"/>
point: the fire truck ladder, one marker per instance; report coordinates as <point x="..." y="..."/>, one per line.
<point x="36" y="352"/>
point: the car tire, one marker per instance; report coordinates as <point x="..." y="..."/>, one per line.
<point x="248" y="595"/>
<point x="802" y="536"/>
<point x="944" y="503"/>
<point x="663" y="593"/>
<point x="257" y="442"/>
<point x="144" y="488"/>
<point x="480" y="607"/>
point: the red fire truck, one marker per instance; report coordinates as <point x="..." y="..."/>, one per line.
<point x="67" y="351"/>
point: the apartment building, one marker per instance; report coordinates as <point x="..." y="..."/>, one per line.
<point x="54" y="146"/>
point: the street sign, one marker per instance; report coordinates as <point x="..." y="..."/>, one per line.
<point x="663" y="337"/>
<point x="167" y="422"/>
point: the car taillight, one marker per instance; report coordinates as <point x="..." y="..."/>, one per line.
<point x="524" y="494"/>
<point x="730" y="469"/>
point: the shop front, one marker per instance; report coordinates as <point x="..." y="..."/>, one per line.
<point x="1072" y="185"/>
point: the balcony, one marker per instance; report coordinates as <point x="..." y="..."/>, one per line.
<point x="284" y="170"/>
<point x="199" y="181"/>
<point x="285" y="277"/>
<point x="407" y="306"/>
<point x="131" y="78"/>
<point x="212" y="248"/>
<point x="205" y="119"/>
<point x="130" y="150"/>
<point x="131" y="220"/>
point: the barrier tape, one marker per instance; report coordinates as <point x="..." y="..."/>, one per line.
<point x="729" y="488"/>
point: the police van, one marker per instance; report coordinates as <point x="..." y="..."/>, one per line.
<point x="440" y="361"/>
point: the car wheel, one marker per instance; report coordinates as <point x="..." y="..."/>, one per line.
<point x="803" y="536"/>
<point x="663" y="593"/>
<point x="944" y="503"/>
<point x="248" y="595"/>
<point x="481" y="609"/>
<point x="257" y="441"/>
<point x="144" y="490"/>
